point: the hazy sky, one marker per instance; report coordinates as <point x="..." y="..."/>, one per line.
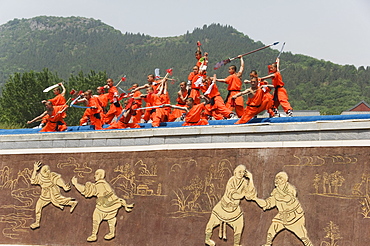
<point x="333" y="30"/>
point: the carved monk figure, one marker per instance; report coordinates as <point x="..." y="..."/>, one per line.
<point x="228" y="211"/>
<point x="107" y="203"/>
<point x="50" y="191"/>
<point x="290" y="216"/>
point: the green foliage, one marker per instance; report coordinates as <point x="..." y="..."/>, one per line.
<point x="10" y="126"/>
<point x="22" y="96"/>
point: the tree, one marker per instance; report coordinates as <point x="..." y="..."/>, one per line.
<point x="316" y="182"/>
<point x="333" y="233"/>
<point x="22" y="96"/>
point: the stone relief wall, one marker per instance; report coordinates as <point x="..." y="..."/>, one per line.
<point x="170" y="197"/>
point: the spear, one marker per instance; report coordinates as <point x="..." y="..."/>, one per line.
<point x="224" y="62"/>
<point x="281" y="51"/>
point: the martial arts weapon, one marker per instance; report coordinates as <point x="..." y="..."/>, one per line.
<point x="128" y="106"/>
<point x="78" y="106"/>
<point x="156" y="72"/>
<point x="122" y="79"/>
<point x="122" y="90"/>
<point x="224" y="62"/>
<point x="161" y="106"/>
<point x="75" y="100"/>
<point x="281" y="51"/>
<point x="158" y="76"/>
<point x="50" y="88"/>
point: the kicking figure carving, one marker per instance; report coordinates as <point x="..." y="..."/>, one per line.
<point x="50" y="191"/>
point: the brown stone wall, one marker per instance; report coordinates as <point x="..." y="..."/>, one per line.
<point x="174" y="192"/>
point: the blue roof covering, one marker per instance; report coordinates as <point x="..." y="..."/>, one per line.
<point x="211" y="122"/>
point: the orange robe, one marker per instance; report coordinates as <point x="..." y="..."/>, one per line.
<point x="148" y="112"/>
<point x="103" y="101"/>
<point x="55" y="122"/>
<point x="115" y="108"/>
<point x="136" y="115"/>
<point x="193" y="117"/>
<point x="280" y="93"/>
<point x="177" y="113"/>
<point x="58" y="100"/>
<point x="158" y="114"/>
<point x="93" y="114"/>
<point x="234" y="87"/>
<point x="253" y="107"/>
<point x="195" y="88"/>
<point x="123" y="122"/>
<point x="216" y="107"/>
<point x="267" y="100"/>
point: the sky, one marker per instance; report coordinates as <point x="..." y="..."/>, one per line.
<point x="332" y="30"/>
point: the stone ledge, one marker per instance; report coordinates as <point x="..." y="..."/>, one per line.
<point x="260" y="132"/>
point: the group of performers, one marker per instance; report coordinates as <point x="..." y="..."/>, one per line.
<point x="198" y="100"/>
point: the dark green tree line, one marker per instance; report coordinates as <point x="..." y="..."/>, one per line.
<point x="23" y="93"/>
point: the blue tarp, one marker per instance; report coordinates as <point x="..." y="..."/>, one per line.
<point x="211" y="122"/>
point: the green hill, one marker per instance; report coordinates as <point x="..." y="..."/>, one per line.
<point x="74" y="46"/>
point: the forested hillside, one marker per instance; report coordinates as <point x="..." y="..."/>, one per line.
<point x="77" y="47"/>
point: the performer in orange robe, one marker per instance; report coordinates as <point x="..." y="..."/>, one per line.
<point x="103" y="100"/>
<point x="280" y="93"/>
<point x="115" y="108"/>
<point x="125" y="117"/>
<point x="234" y="86"/>
<point x="136" y="114"/>
<point x="93" y="113"/>
<point x="267" y="100"/>
<point x="194" y="115"/>
<point x="255" y="96"/>
<point x="54" y="118"/>
<point x="158" y="114"/>
<point x="195" y="85"/>
<point x="165" y="99"/>
<point x="202" y="61"/>
<point x="216" y="108"/>
<point x="182" y="94"/>
<point x="193" y="112"/>
<point x="59" y="99"/>
<point x="151" y="83"/>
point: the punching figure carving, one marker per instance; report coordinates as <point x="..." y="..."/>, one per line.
<point x="107" y="203"/>
<point x="228" y="211"/>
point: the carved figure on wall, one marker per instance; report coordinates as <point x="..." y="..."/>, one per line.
<point x="227" y="210"/>
<point x="107" y="203"/>
<point x="50" y="191"/>
<point x="290" y="216"/>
